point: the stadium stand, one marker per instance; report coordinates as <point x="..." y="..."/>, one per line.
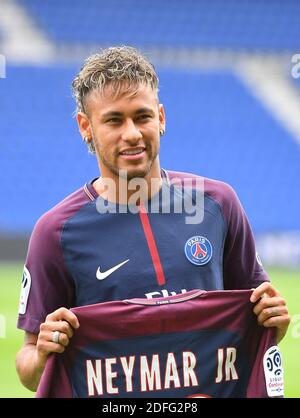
<point x="213" y="124"/>
<point x="41" y="144"/>
<point x="217" y="126"/>
<point x="252" y="25"/>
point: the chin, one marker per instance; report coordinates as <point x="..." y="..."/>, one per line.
<point x="134" y="173"/>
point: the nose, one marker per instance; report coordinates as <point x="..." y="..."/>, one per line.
<point x="130" y="132"/>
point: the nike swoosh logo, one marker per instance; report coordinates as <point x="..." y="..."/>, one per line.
<point x="102" y="275"/>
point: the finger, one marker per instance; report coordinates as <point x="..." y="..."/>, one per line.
<point x="280" y="322"/>
<point x="63" y="338"/>
<point x="61" y="326"/>
<point x="267" y="302"/>
<point x="65" y="315"/>
<point x="264" y="288"/>
<point x="47" y="347"/>
<point x="273" y="312"/>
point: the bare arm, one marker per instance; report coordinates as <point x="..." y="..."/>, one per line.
<point x="28" y="367"/>
<point x="31" y="359"/>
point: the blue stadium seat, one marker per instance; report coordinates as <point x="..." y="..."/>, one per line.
<point x="239" y="24"/>
<point x="215" y="128"/>
<point x="41" y="157"/>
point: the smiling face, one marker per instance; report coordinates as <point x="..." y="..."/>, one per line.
<point x="125" y="131"/>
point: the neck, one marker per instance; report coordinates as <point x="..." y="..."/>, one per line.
<point x="118" y="189"/>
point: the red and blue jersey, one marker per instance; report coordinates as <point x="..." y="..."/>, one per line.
<point x="200" y="344"/>
<point x="78" y="256"/>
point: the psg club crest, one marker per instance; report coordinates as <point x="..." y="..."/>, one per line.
<point x="198" y="250"/>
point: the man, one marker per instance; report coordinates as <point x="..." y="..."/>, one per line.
<point x="101" y="243"/>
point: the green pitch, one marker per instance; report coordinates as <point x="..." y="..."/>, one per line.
<point x="287" y="282"/>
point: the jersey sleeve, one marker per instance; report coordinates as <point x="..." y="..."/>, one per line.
<point x="55" y="381"/>
<point x="46" y="283"/>
<point x="242" y="268"/>
<point x="259" y="379"/>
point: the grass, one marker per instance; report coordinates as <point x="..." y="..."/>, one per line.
<point x="287" y="282"/>
<point x="10" y="279"/>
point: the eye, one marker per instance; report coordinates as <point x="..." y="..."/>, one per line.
<point x="113" y="120"/>
<point x="144" y="117"/>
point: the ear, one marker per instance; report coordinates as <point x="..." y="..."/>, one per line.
<point x="84" y="125"/>
<point x="162" y="118"/>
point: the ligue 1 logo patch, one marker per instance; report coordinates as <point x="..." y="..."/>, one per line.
<point x="25" y="288"/>
<point x="198" y="250"/>
<point x="273" y="372"/>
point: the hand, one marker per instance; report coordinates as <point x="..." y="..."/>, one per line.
<point x="62" y="320"/>
<point x="271" y="310"/>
